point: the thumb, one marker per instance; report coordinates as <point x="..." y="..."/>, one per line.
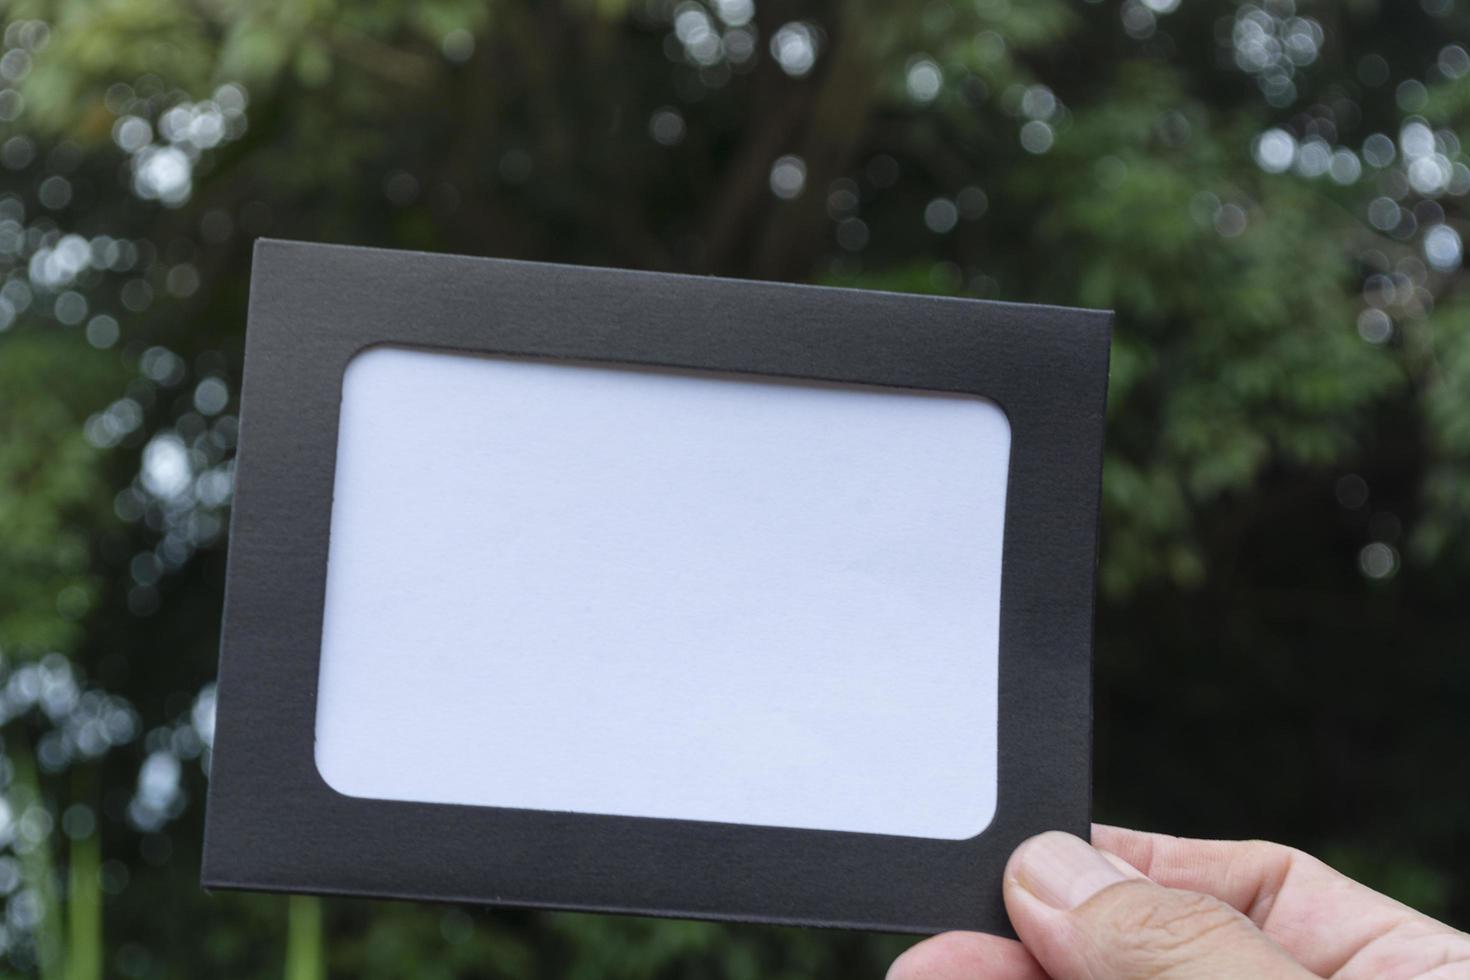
<point x="1087" y="916"/>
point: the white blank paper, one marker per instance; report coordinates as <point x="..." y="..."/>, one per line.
<point x="659" y="594"/>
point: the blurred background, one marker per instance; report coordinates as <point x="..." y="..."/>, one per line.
<point x="1271" y="194"/>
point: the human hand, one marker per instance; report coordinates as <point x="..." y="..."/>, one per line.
<point x="1169" y="908"/>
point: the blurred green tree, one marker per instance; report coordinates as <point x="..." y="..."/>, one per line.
<point x="1269" y="193"/>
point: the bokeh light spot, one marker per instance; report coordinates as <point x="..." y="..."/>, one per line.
<point x="788" y="177"/>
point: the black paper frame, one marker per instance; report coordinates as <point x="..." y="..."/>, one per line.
<point x="273" y="823"/>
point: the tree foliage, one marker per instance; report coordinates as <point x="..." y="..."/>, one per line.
<point x="1269" y="193"/>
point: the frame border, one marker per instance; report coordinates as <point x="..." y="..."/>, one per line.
<point x="272" y="822"/>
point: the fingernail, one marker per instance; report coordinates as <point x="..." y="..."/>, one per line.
<point x="1063" y="871"/>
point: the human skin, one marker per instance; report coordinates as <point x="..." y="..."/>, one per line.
<point x="1138" y="905"/>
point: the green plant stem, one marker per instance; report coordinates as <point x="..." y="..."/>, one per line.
<point x="37" y="866"/>
<point x="84" y="909"/>
<point x="304" y="947"/>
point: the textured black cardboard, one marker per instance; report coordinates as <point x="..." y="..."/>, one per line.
<point x="274" y="824"/>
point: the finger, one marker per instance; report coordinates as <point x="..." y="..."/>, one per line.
<point x="1331" y="924"/>
<point x="966" y="956"/>
<point x="1084" y="919"/>
<point x="1128" y="870"/>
